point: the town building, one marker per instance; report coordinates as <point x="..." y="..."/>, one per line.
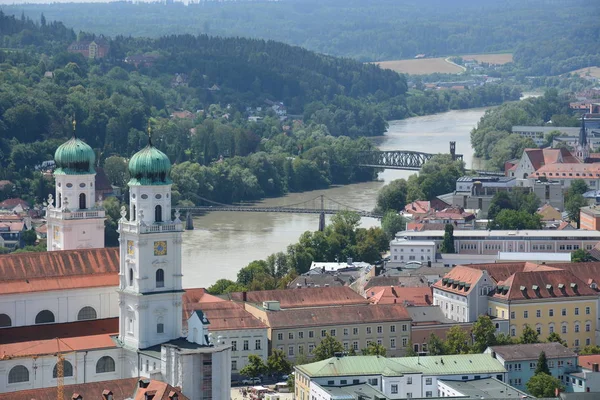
<point x="589" y="218"/>
<point x="97" y="48"/>
<point x="403" y="251"/>
<point x="586" y="378"/>
<point x="396" y="378"/>
<point x="494" y="241"/>
<point x="533" y="159"/>
<point x="407" y="296"/>
<point x="72" y="294"/>
<point x="11" y="234"/>
<point x="520" y="360"/>
<point x="565" y="174"/>
<point x="486" y="388"/>
<point x="538" y="133"/>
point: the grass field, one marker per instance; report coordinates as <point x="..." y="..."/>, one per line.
<point x="490" y="58"/>
<point x="588" y="71"/>
<point x="425" y="66"/>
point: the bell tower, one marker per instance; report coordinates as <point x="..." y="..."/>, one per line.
<point x="74" y="219"/>
<point x="150" y="287"/>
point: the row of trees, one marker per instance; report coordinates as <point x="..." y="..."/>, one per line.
<point x="341" y="239"/>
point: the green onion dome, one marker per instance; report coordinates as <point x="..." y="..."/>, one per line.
<point x="149" y="166"/>
<point x="74" y="157"/>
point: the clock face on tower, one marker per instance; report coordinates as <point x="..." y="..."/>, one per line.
<point x="160" y="248"/>
<point x="130" y="248"/>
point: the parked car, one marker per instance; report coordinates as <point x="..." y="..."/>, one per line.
<point x="251" y="381"/>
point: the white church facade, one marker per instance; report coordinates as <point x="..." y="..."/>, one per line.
<point x="111" y="313"/>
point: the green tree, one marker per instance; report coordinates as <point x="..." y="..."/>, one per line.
<point x="587" y="350"/>
<point x="529" y="335"/>
<point x="392" y="197"/>
<point x="572" y="206"/>
<point x="542" y="365"/>
<point x="484" y="334"/>
<point x="512" y="219"/>
<point x="578" y="186"/>
<point x="29" y="237"/>
<point x="543" y="385"/>
<point x="254" y="368"/>
<point x="328" y="347"/>
<point x="457" y="341"/>
<point x="504" y="339"/>
<point x="448" y="242"/>
<point x="410" y="351"/>
<point x="435" y="346"/>
<point x="223" y="286"/>
<point x="116" y="170"/>
<point x="374" y="349"/>
<point x="500" y="201"/>
<point x="392" y="223"/>
<point x="247" y="274"/>
<point x="581" y="255"/>
<point x="278" y="364"/>
<point x="555" y="337"/>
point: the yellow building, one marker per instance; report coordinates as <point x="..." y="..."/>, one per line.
<point x="548" y="300"/>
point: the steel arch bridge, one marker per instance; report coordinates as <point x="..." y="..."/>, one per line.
<point x="400" y="159"/>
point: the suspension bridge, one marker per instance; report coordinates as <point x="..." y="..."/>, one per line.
<point x="321" y="205"/>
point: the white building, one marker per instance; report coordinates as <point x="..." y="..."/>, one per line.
<point x="404" y="251"/>
<point x="396" y="378"/>
<point x="75" y="285"/>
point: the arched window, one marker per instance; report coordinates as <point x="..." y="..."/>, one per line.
<point x="134" y="214"/>
<point x="59" y="202"/>
<point x="44" y="317"/>
<point x="82" y="205"/>
<point x="158" y="214"/>
<point x="86" y="313"/>
<point x="105" y="364"/>
<point x="5" y="321"/>
<point x="160" y="278"/>
<point x="18" y="374"/>
<point x="130" y="276"/>
<point x="160" y="328"/>
<point x="67" y="369"/>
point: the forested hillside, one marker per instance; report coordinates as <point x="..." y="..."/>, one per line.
<point x="547" y="36"/>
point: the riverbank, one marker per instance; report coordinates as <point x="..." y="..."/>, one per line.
<point x="225" y="242"/>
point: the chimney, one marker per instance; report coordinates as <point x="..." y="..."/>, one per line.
<point x="595" y="367"/>
<point x="427" y="298"/>
<point x="173" y="395"/>
<point x="143" y="383"/>
<point x="149" y="395"/>
<point x="107" y="394"/>
<point x="244" y="296"/>
<point x="76" y="396"/>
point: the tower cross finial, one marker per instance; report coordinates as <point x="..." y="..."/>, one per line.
<point x="149" y="134"/>
<point x="74" y="122"/>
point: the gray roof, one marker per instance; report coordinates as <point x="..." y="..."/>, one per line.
<point x="321" y="280"/>
<point x="487" y="388"/>
<point x="354" y="392"/>
<point x="516" y="352"/>
<point x="428" y="314"/>
<point x="407" y="281"/>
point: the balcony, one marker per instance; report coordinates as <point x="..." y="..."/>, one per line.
<point x="79" y="214"/>
<point x="133" y="227"/>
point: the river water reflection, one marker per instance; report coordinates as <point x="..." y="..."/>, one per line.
<point x="224" y="242"/>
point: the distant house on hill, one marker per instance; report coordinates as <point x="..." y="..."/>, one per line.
<point x="144" y="60"/>
<point x="93" y="49"/>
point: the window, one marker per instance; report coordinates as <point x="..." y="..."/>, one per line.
<point x="323" y="332"/>
<point x="246" y="345"/>
<point x="587" y="311"/>
<point x="393" y="343"/>
<point x="346" y="331"/>
<point x="576" y="342"/>
<point x="404" y="328"/>
<point x="160" y="328"/>
<point x="563" y="312"/>
<point x="409" y="395"/>
<point x="392" y="328"/>
<point x="343" y="382"/>
<point x="404" y="342"/>
<point x="428" y="381"/>
<point x="428" y="393"/>
<point x="160" y="278"/>
<point x="257" y="344"/>
<point x="525" y="314"/>
<point x="576" y="310"/>
<point x="158" y="214"/>
<point x="551" y="329"/>
<point x="512" y="315"/>
<point x="311" y="347"/>
<point x="373" y="381"/>
<point x="355" y="345"/>
<point x="105" y="364"/>
<point x="332" y="332"/>
<point x="576" y="328"/>
<point x="86" y="313"/>
<point x="280" y="336"/>
<point x="5" y="321"/>
<point x="291" y="335"/>
<point x="394" y="389"/>
<point x="311" y="334"/>
<point x="588" y="341"/>
<point x="67" y="369"/>
<point x="538" y="313"/>
<point x="380" y="329"/>
<point x="513" y="331"/>
<point x="18" y="374"/>
<point x="234" y="345"/>
<point x="82" y="201"/>
<point x="300" y="349"/>
<point x="532" y="365"/>
<point x="355" y="331"/>
<point x="233" y="365"/>
<point x="291" y="351"/>
<point x="409" y="380"/>
<point x="564" y="329"/>
<point x="368" y="330"/>
<point x="44" y="317"/>
<point x="300" y="335"/>
<point x="551" y="313"/>
<point x="518" y="382"/>
<point x="550" y="364"/>
<point x="517" y="366"/>
<point x="130" y="276"/>
<point x="587" y="327"/>
<point x="560" y="363"/>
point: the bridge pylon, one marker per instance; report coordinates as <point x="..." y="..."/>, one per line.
<point x="322" y="215"/>
<point x="189" y="221"/>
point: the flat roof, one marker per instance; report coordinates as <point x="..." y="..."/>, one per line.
<point x="353" y="392"/>
<point x="508" y="256"/>
<point x="460" y="233"/>
<point x="545" y="129"/>
<point x="487" y="388"/>
<point x="592" y="210"/>
<point x="399" y="242"/>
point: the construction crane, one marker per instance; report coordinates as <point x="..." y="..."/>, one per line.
<point x="60" y="377"/>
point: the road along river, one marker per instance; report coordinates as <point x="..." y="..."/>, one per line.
<point x="224" y="242"/>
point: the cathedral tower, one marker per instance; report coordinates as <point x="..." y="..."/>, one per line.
<point x="150" y="288"/>
<point x="75" y="221"/>
<point x="582" y="149"/>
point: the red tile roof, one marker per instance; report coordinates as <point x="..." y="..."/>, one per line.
<point x="12" y="203"/>
<point x="13" y="226"/>
<point x="35" y="340"/>
<point x="418" y="207"/>
<point x="160" y="391"/>
<point x="337" y="315"/>
<point x="532" y="285"/>
<point x="305" y="297"/>
<point x="588" y="362"/>
<point x="57" y="270"/>
<point x="121" y="389"/>
<point x="499" y="271"/>
<point x="416" y="296"/>
<point x="568" y="171"/>
<point x="540" y="158"/>
<point x="464" y="275"/>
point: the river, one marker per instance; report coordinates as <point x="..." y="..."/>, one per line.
<point x="224" y="242"/>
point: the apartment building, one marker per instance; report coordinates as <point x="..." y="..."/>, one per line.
<point x="520" y="360"/>
<point x="396" y="378"/>
<point x="589" y="218"/>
